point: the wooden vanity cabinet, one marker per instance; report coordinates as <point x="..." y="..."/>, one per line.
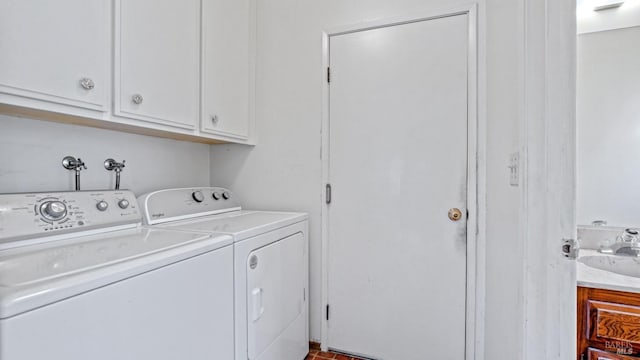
<point x="608" y="324"/>
<point x="594" y="354"/>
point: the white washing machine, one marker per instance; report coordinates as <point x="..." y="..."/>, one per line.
<point x="270" y="262"/>
<point x="80" y="278"/>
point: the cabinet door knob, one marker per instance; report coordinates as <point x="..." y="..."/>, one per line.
<point x="137" y="99"/>
<point x="87" y="83"/>
<point x="214" y="119"/>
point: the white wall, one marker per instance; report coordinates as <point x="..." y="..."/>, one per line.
<point x="284" y="170"/>
<point x="31" y="152"/>
<point x="608" y="121"/>
<point x="504" y="87"/>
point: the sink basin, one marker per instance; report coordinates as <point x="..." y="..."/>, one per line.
<point x="628" y="266"/>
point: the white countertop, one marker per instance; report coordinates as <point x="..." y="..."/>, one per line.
<point x="595" y="278"/>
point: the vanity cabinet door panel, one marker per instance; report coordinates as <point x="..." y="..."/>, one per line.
<point x="157" y="61"/>
<point x="595" y="354"/>
<point x="610" y="321"/>
<point x="226" y="65"/>
<point x="55" y="51"/>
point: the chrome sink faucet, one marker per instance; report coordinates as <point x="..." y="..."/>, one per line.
<point x="626" y="244"/>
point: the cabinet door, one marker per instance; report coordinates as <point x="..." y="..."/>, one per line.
<point x="595" y="354"/>
<point x="157" y="62"/>
<point x="56" y="51"/>
<point x="226" y="67"/>
<point x="613" y="326"/>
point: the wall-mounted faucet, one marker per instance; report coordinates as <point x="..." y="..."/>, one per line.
<point x="112" y="165"/>
<point x="71" y="163"/>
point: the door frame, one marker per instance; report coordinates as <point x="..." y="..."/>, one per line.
<point x="547" y="197"/>
<point x="476" y="166"/>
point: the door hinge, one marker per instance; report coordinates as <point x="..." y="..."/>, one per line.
<point x="328" y="74"/>
<point x="327" y="312"/>
<point x="328" y="194"/>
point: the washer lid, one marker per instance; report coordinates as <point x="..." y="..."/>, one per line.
<point x="34" y="276"/>
<point x="241" y="224"/>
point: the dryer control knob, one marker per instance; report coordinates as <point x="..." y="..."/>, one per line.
<point x="215" y="196"/>
<point x="197" y="196"/>
<point x="226" y="195"/>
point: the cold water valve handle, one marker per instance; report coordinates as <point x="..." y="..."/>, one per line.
<point x="112" y="165"/>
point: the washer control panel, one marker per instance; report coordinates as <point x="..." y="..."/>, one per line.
<point x="30" y="215"/>
<point x="172" y="204"/>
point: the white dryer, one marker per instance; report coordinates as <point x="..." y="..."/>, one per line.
<point x="80" y="278"/>
<point x="270" y="265"/>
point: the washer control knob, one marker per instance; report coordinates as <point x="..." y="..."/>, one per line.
<point x="123" y="204"/>
<point x="197" y="196"/>
<point x="102" y="205"/>
<point x="226" y="195"/>
<point x="215" y="195"/>
<point x="53" y="210"/>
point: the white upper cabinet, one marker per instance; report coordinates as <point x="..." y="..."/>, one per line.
<point x="157" y="61"/>
<point x="55" y="52"/>
<point x="226" y="63"/>
<point x="180" y="69"/>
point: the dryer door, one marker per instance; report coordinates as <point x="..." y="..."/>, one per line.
<point x="276" y="296"/>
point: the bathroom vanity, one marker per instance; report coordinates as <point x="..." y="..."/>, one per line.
<point x="608" y="324"/>
<point x="608" y="303"/>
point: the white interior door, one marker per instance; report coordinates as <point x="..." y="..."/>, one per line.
<point x="398" y="160"/>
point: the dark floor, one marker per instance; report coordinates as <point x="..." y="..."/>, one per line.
<point x="322" y="355"/>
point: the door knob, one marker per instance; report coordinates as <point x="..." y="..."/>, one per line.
<point x="455" y="214"/>
<point x="87" y="83"/>
<point x="137" y="99"/>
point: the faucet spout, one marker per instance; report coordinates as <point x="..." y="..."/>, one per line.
<point x="627" y="244"/>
